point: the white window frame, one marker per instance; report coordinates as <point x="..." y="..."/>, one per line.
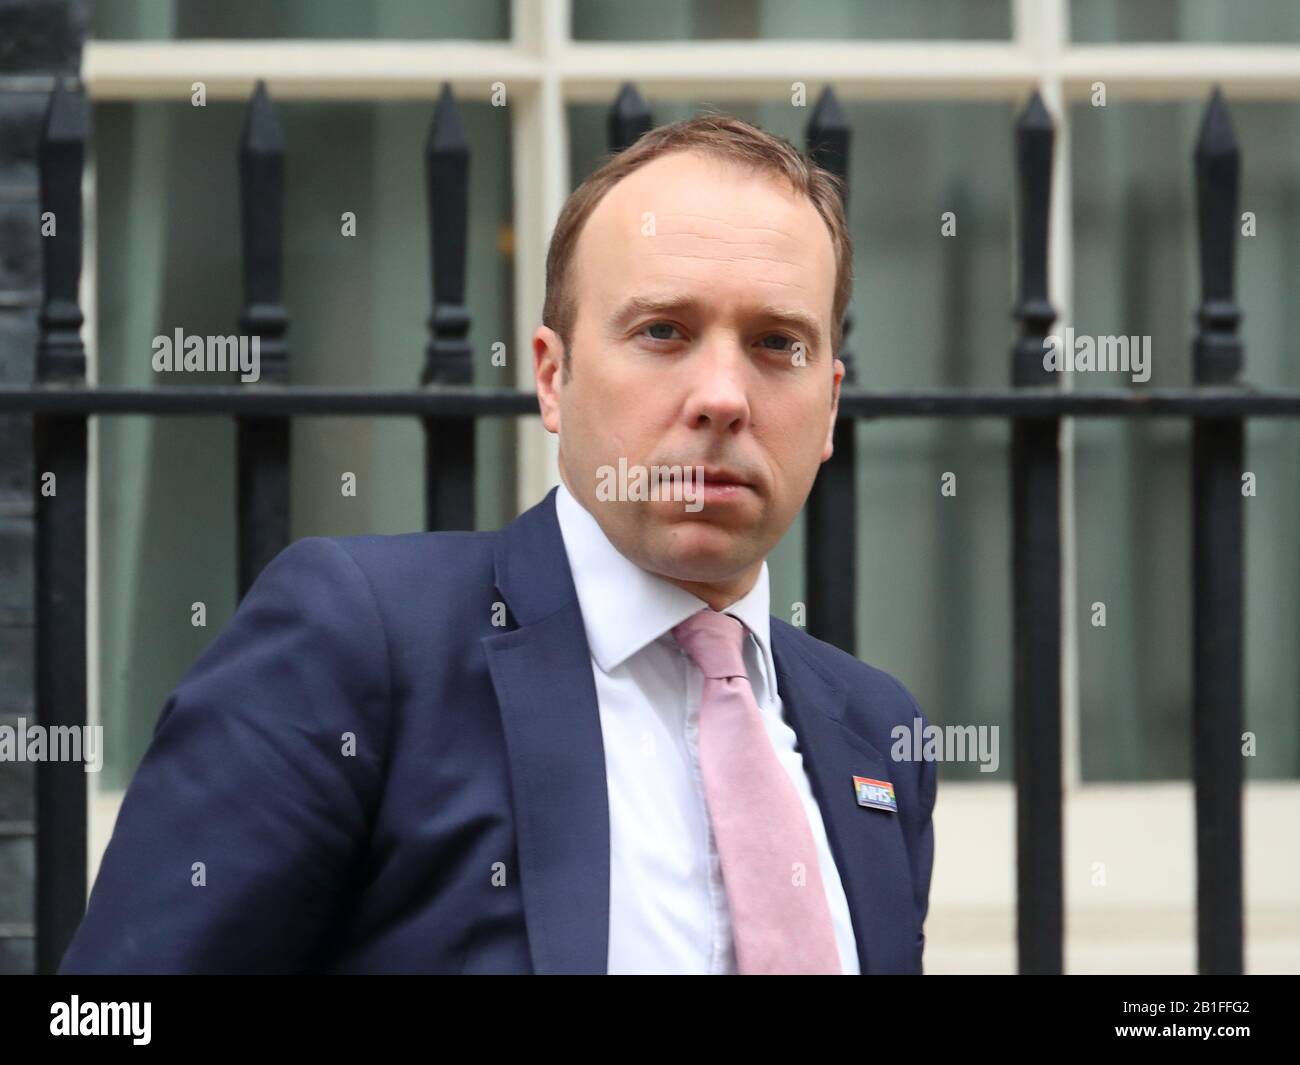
<point x="1144" y="920"/>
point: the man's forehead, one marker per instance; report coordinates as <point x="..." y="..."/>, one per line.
<point x="710" y="218"/>
<point x="686" y="189"/>
<point x="738" y="236"/>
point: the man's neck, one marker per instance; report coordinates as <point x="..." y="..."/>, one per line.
<point x="722" y="595"/>
<point x="719" y="595"/>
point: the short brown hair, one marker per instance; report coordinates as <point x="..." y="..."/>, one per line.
<point x="720" y="136"/>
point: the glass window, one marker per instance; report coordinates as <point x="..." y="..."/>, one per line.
<point x="1199" y="21"/>
<point x="298" y="19"/>
<point x="687" y="20"/>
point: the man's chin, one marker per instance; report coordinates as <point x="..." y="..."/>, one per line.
<point x="691" y="549"/>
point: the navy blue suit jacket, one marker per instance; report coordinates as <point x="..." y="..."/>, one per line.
<point x="378" y="778"/>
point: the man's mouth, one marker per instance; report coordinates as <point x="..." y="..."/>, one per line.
<point x="700" y="485"/>
<point x="722" y="487"/>
<point x="723" y="478"/>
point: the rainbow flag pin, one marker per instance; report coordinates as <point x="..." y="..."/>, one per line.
<point x="875" y="793"/>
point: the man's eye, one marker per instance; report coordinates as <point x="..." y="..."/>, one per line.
<point x="665" y="330"/>
<point x="661" y="326"/>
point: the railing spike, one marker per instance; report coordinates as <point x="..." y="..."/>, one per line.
<point x="826" y="142"/>
<point x="261" y="188"/>
<point x="448" y="442"/>
<point x="446" y="156"/>
<point x="629" y="117"/>
<point x="1217" y="356"/>
<point x="1035" y="138"/>
<point x="61" y="355"/>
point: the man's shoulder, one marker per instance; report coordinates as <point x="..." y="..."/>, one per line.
<point x="864" y="683"/>
<point x="397" y="568"/>
<point x="379" y="553"/>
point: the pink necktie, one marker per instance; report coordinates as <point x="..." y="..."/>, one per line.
<point x="780" y="918"/>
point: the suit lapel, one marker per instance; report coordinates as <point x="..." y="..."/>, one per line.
<point x="867" y="843"/>
<point x="541" y="672"/>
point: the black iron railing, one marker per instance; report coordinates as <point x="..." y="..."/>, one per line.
<point x="447" y="406"/>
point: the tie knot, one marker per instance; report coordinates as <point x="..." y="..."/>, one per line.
<point x="714" y="641"/>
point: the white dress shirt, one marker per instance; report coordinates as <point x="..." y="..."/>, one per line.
<point x="668" y="908"/>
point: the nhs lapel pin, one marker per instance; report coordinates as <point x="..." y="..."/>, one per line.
<point x="875" y="793"/>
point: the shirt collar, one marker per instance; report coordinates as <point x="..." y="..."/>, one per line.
<point x="607" y="582"/>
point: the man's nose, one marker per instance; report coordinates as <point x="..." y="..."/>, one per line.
<point x="718" y="386"/>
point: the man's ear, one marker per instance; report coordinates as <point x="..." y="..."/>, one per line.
<point x="829" y="448"/>
<point x="548" y="362"/>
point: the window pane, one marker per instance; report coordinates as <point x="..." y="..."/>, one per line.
<point x="1206" y="21"/>
<point x="685" y="20"/>
<point x="298" y="19"/>
<point x="168" y="258"/>
<point x="928" y="310"/>
<point x="1137" y="275"/>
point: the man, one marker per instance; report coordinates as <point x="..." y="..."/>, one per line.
<point x="580" y="744"/>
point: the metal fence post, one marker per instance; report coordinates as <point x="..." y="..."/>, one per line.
<point x="1036" y="576"/>
<point x="59" y="448"/>
<point x="831" y="512"/>
<point x="263" y="442"/>
<point x="449" y="441"/>
<point x="1217" y="553"/>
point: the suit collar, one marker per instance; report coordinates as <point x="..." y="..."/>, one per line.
<point x="531" y="569"/>
<point x="606" y="582"/>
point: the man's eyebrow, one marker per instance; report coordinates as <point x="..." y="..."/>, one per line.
<point x="636" y="306"/>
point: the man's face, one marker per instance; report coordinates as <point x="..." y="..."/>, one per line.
<point x="702" y="338"/>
